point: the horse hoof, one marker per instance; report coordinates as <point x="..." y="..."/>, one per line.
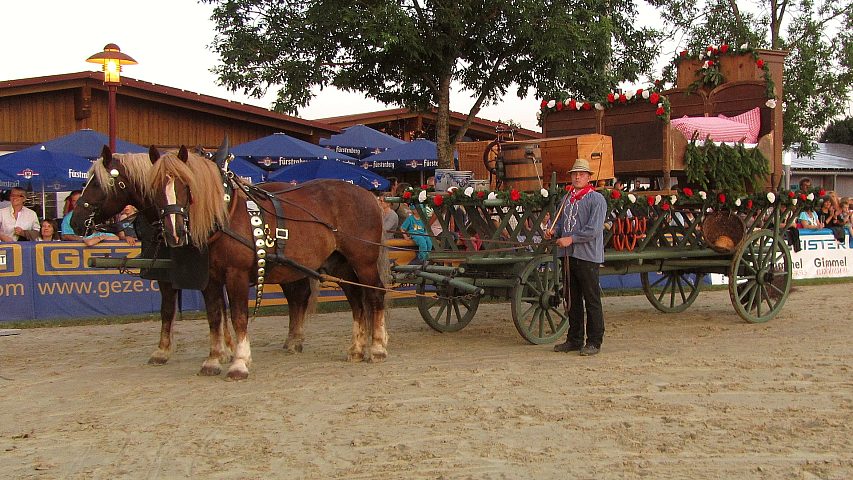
<point x="355" y="357"/>
<point x="236" y="375"/>
<point x="292" y="348"/>
<point x="210" y="370"/>
<point x="377" y="357"/>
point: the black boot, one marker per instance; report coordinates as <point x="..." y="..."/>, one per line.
<point x="568" y="346"/>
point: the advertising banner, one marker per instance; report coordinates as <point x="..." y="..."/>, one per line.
<point x="822" y="256"/>
<point x="16" y="282"/>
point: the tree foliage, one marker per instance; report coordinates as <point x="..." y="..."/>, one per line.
<point x="411" y="52"/>
<point x="818" y="34"/>
<point x="839" y="131"/>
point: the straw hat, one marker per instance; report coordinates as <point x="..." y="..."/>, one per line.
<point x="581" y="165"/>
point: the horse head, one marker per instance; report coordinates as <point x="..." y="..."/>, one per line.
<point x="115" y="181"/>
<point x="186" y="185"/>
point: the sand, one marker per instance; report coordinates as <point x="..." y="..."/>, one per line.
<point x="695" y="395"/>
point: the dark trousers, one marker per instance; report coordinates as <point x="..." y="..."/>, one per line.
<point x="585" y="293"/>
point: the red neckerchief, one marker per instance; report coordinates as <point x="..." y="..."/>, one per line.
<point x="574" y="195"/>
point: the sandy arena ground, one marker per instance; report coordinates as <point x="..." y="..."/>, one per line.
<point x="697" y="395"/>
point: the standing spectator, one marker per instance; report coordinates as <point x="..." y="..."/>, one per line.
<point x="4" y="199"/>
<point x="402" y="208"/>
<point x="805" y="184"/>
<point x="18" y="222"/>
<point x="66" y="231"/>
<point x="618" y="185"/>
<point x="390" y="220"/>
<point x="579" y="235"/>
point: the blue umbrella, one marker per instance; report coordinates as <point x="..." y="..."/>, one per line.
<point x="247" y="170"/>
<point x="87" y="143"/>
<point x="44" y="169"/>
<point x="280" y="149"/>
<point x="360" y="141"/>
<point x="420" y="154"/>
<point x="304" y="172"/>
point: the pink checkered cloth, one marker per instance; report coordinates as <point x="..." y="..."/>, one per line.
<point x="718" y="129"/>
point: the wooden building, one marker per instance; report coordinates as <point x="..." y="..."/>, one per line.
<point x="408" y="125"/>
<point x="33" y="110"/>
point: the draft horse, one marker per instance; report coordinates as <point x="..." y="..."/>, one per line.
<point x="287" y="236"/>
<point x="123" y="179"/>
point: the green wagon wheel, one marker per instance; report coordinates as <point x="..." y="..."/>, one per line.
<point x="674" y="291"/>
<point x="449" y="310"/>
<point x="537" y="309"/>
<point x="760" y="276"/>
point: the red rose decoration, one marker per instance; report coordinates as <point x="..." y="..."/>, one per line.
<point x="639" y="91"/>
<point x="683" y="53"/>
<point x="821" y="192"/>
<point x="437" y="200"/>
<point x="622" y="98"/>
<point x="660" y="111"/>
<point x="407" y="195"/>
<point x="710" y="63"/>
<point x="803" y="197"/>
<point x="749" y="204"/>
<point x="611" y="98"/>
<point x="654" y="97"/>
<point x="587" y="106"/>
<point x="710" y="48"/>
<point x="722" y="198"/>
<point x="481" y="194"/>
<point x="688" y="192"/>
<point x="573" y="105"/>
<point x="615" y="194"/>
<point x="715" y="51"/>
<point x="650" y="200"/>
<point x="544" y="104"/>
<point x="724" y="48"/>
<point x="559" y="105"/>
<point x="759" y="63"/>
<point x="514" y="195"/>
<point x="791" y="194"/>
<point x="424" y="187"/>
<point x="665" y="207"/>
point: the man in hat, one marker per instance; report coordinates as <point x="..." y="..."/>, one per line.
<point x="578" y="230"/>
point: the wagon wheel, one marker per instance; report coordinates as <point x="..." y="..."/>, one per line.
<point x="536" y="302"/>
<point x="674" y="291"/>
<point x="449" y="311"/>
<point x="760" y="276"/>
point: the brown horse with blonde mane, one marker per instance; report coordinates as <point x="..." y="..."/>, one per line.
<point x="291" y="236"/>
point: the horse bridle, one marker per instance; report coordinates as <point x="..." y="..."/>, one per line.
<point x="180" y="210"/>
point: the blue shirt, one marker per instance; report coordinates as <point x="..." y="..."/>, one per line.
<point x="584" y="222"/>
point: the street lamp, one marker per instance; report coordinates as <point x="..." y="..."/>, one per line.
<point x="112" y="59"/>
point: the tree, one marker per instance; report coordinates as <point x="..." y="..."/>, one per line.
<point x="411" y="52"/>
<point x="840" y="131"/>
<point x="818" y="35"/>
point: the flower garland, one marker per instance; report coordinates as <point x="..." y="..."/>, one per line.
<point x="711" y="76"/>
<point x="426" y="195"/>
<point x="650" y="95"/>
<point x="645" y="204"/>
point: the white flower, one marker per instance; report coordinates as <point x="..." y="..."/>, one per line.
<point x="673" y="199"/>
<point x="551" y="103"/>
<point x="646" y="94"/>
<point x="737" y="202"/>
<point x="468" y="191"/>
<point x="632" y="198"/>
<point x="599" y="106"/>
<point x="578" y="105"/>
<point x="793" y="201"/>
<point x="810" y="196"/>
<point x="705" y="64"/>
<point x="492" y="196"/>
<point x="771" y="103"/>
<point x="703" y="195"/>
<point x="660" y="104"/>
<point x="422" y="196"/>
<point x="452" y="189"/>
<point x="630" y="94"/>
<point x="544" y="193"/>
<point x="658" y="198"/>
<point x="771" y="197"/>
<point x="744" y="46"/>
<point x="701" y="55"/>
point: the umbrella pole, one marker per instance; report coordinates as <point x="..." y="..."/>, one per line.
<point x="43" y="211"/>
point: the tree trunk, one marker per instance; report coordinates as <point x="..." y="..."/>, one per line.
<point x="442" y="124"/>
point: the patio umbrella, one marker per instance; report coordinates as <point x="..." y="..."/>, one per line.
<point x="45" y="169"/>
<point x="279" y="149"/>
<point x="360" y="141"/>
<point x="303" y="172"/>
<point x="247" y="170"/>
<point x="418" y="155"/>
<point x="87" y="143"/>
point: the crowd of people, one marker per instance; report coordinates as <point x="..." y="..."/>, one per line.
<point x="19" y="223"/>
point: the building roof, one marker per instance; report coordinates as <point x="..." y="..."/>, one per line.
<point x="152" y="91"/>
<point x="399" y="113"/>
<point x="829" y="156"/>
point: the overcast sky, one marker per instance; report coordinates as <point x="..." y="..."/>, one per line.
<point x="169" y="39"/>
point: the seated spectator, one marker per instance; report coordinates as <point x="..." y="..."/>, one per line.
<point x="415" y="230"/>
<point x="124" y="225"/>
<point x="809" y="220"/>
<point x="402" y="209"/>
<point x="831" y="217"/>
<point x="845" y="207"/>
<point x="390" y="220"/>
<point x="48" y="232"/>
<point x="18" y="222"/>
<point x="66" y="232"/>
<point x="4" y="199"/>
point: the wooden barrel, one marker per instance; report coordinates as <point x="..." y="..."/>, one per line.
<point x="522" y="166"/>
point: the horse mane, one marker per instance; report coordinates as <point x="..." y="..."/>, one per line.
<point x="207" y="210"/>
<point x="137" y="167"/>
